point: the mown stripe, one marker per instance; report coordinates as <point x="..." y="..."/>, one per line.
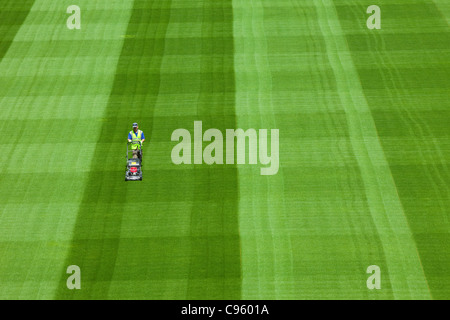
<point x="267" y="252"/>
<point x="215" y="268"/>
<point x="97" y="230"/>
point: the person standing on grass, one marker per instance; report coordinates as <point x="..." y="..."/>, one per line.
<point x="135" y="136"/>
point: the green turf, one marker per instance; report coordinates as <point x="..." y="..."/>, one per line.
<point x="407" y="88"/>
<point x="364" y="146"/>
<point x="204" y="259"/>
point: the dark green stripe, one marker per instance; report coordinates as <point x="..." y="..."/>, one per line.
<point x="214" y="257"/>
<point x="215" y="245"/>
<point x="12" y="14"/>
<point x="98" y="226"/>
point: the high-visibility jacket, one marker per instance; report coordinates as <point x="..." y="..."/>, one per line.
<point x="135" y="139"/>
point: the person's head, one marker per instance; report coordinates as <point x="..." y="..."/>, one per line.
<point x="135" y="127"/>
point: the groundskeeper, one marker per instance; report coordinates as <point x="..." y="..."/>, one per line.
<point x="135" y="136"/>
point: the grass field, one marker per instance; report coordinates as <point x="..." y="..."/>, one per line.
<point x="364" y="128"/>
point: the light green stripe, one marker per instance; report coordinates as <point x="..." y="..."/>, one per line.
<point x="444" y="7"/>
<point x="404" y="265"/>
<point x="39" y="207"/>
<point x="267" y="266"/>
